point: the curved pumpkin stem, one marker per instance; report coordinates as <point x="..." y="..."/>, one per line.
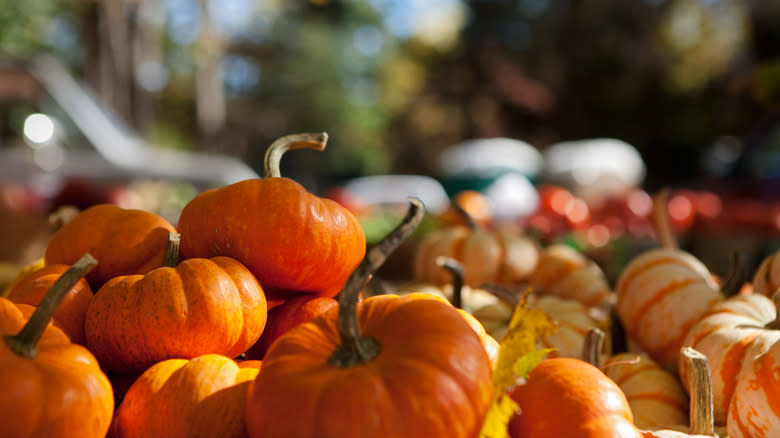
<point x="775" y="324"/>
<point x="661" y="222"/>
<point x="24" y="343"/>
<point x="171" y="253"/>
<point x="465" y="215"/>
<point x="593" y="346"/>
<point x="273" y="156"/>
<point x="354" y="349"/>
<point x="504" y="294"/>
<point x="702" y="411"/>
<point x="455" y="268"/>
<point x="735" y="277"/>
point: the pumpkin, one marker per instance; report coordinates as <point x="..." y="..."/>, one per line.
<point x="388" y="366"/>
<point x="487" y="257"/>
<point x="293" y="312"/>
<point x="655" y="395"/>
<point x="126" y="241"/>
<point x="198" y="307"/>
<point x="729" y="335"/>
<point x="568" y="397"/>
<point x="290" y="239"/>
<point x="71" y="313"/>
<point x="201" y="397"/>
<point x="564" y="272"/>
<point x="753" y="409"/>
<point x="50" y="387"/>
<point x="766" y="279"/>
<point x="661" y="294"/>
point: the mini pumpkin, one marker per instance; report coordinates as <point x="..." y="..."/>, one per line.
<point x="201" y="397"/>
<point x="51" y="388"/>
<point x="198" y="307"/>
<point x="291" y="240"/>
<point x="565" y="272"/>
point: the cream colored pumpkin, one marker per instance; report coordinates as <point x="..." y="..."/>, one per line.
<point x="564" y="272"/>
<point x="766" y="279"/>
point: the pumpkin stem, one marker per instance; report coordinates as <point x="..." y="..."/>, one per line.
<point x="701" y="409"/>
<point x="354" y="349"/>
<point x="661" y="222"/>
<point x="735" y="278"/>
<point x="506" y="295"/>
<point x="593" y="346"/>
<point x="273" y="156"/>
<point x="24" y="342"/>
<point x="775" y="324"/>
<point x="171" y="253"/>
<point x="465" y="215"/>
<point x="455" y="268"/>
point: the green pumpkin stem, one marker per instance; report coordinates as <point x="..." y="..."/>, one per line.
<point x="24" y="343"/>
<point x="355" y="349"/>
<point x="455" y="268"/>
<point x="273" y="156"/>
<point x="171" y="254"/>
<point x="661" y="222"/>
<point x="702" y="412"/>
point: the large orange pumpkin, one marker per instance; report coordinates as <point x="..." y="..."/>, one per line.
<point x="126" y="241"/>
<point x="202" y="397"/>
<point x="71" y="313"/>
<point x="388" y="366"/>
<point x="291" y="240"/>
<point x="50" y="387"/>
<point x="198" y="307"/>
<point x="568" y="397"/>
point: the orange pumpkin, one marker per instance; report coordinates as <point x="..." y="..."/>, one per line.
<point x="568" y="397"/>
<point x="291" y="240"/>
<point x="50" y="387"/>
<point x="126" y="241"/>
<point x="198" y="307"/>
<point x="474" y="203"/>
<point x="201" y="397"/>
<point x="70" y="315"/>
<point x="388" y="366"/>
<point x="730" y="334"/>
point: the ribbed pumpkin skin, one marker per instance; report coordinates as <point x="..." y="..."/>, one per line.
<point x="431" y="378"/>
<point x="573" y="321"/>
<point x="567" y="397"/>
<point x="125" y="241"/>
<point x="660" y="295"/>
<point x="753" y="412"/>
<point x="564" y="272"/>
<point x="290" y="239"/>
<point x="61" y="393"/>
<point x="766" y="279"/>
<point x="655" y="395"/>
<point x="486" y="256"/>
<point x="203" y="397"/>
<point x="729" y="334"/>
<point x="199" y="307"/>
<point x="71" y="313"/>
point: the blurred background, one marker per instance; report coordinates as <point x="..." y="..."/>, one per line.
<point x="566" y="114"/>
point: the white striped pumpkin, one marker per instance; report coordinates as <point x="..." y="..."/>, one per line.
<point x="564" y="272"/>
<point x="660" y="295"/>
<point x="729" y="334"/>
<point x="753" y="412"/>
<point x="766" y="279"/>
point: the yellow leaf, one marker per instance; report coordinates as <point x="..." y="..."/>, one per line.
<point x="516" y="358"/>
<point x="13" y="275"/>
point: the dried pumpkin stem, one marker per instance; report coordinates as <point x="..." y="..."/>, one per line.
<point x="24" y="343"/>
<point x="661" y="222"/>
<point x="355" y="349"/>
<point x="465" y="215"/>
<point x="171" y="253"/>
<point x="273" y="156"/>
<point x="593" y="346"/>
<point x="504" y="294"/>
<point x="775" y="324"/>
<point x="455" y="268"/>
<point x="701" y="409"/>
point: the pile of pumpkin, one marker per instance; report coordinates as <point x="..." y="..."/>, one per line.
<point x="252" y="317"/>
